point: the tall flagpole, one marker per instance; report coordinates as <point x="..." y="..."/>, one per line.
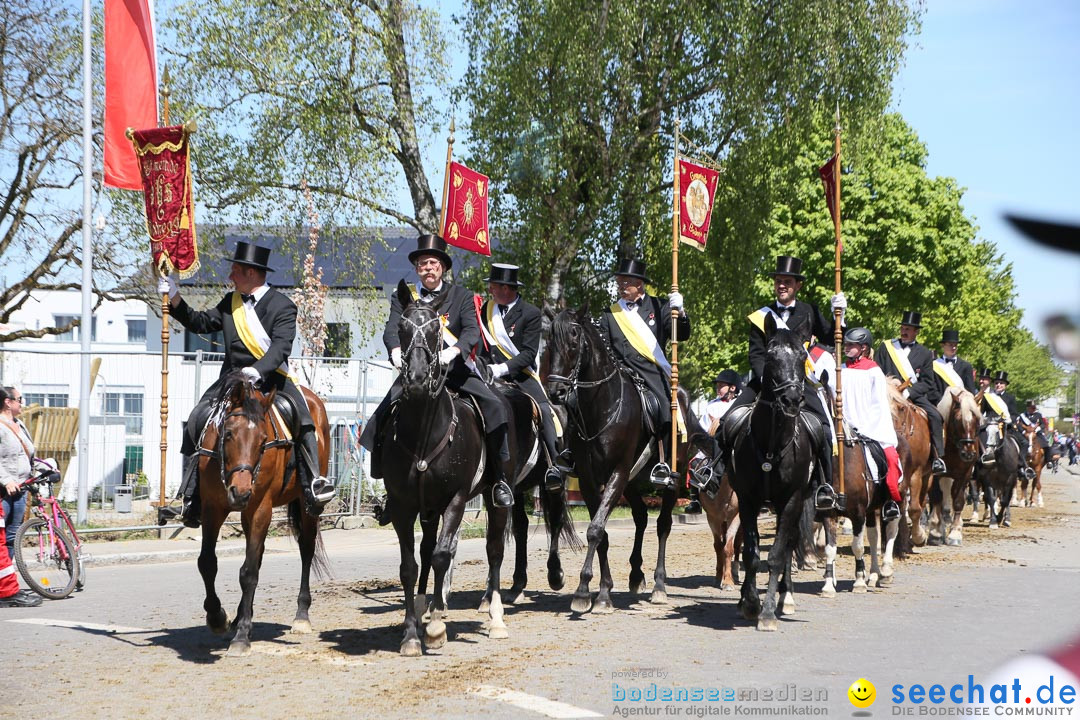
<point x="446" y="178"/>
<point x="838" y="337"/>
<point x="675" y="312"/>
<point x="87" y="323"/>
<point x="164" y="330"/>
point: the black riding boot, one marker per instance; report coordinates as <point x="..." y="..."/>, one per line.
<point x="499" y="456"/>
<point x="191" y="515"/>
<point x="318" y="491"/>
<point x="553" y="478"/>
<point x="661" y="474"/>
<point x="825" y="497"/>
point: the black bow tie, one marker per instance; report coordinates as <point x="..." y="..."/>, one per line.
<point x="782" y="310"/>
<point x="631" y="306"/>
<point x="905" y="345"/>
<point x="503" y="309"/>
<point x="950" y="360"/>
<point x="424" y="292"/>
<point x="247" y="298"/>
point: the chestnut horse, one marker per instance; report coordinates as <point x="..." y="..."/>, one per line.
<point x="962" y="420"/>
<point x="913" y="447"/>
<point x="1035" y="460"/>
<point x="246" y="439"/>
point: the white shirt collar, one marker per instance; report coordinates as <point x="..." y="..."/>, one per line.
<point x="258" y="292"/>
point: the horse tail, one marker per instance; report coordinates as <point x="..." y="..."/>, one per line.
<point x="559" y="512"/>
<point x="903" y="546"/>
<point x="319" y="562"/>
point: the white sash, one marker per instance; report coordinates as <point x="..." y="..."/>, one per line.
<point x="901" y="359"/>
<point x="259" y="332"/>
<point x="645" y="337"/>
<point x="948" y="373"/>
<point x="498" y="336"/>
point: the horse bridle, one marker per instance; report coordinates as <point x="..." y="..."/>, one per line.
<point x="436" y="374"/>
<point x="767" y="465"/>
<point x="219" y="453"/>
<point x="575" y="382"/>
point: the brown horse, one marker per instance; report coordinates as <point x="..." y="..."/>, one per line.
<point x="962" y="420"/>
<point x="246" y="465"/>
<point x="913" y="446"/>
<point x="722" y="512"/>
<point x="1035" y="460"/>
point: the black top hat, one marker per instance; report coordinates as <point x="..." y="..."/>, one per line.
<point x="950" y="336"/>
<point x="985" y="373"/>
<point x="1001" y="376"/>
<point x="788" y="265"/>
<point x="632" y="268"/>
<point x="1031" y="401"/>
<point x="431" y="245"/>
<point x="503" y="275"/>
<point x="730" y="377"/>
<point x="252" y="255"/>
<point x="912" y="318"/>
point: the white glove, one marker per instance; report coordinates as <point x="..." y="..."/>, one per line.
<point x="251" y="375"/>
<point x="675" y="301"/>
<point x="395" y="358"/>
<point x="499" y="370"/>
<point x="167" y="284"/>
<point x="447" y="356"/>
<point x="839" y="302"/>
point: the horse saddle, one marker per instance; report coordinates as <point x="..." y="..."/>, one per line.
<point x="875" y="455"/>
<point x="283" y="418"/>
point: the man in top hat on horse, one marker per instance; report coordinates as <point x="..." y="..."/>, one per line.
<point x="1030" y="419"/>
<point x="512" y="328"/>
<point x="638" y="327"/>
<point x="950" y="370"/>
<point x="905" y="359"/>
<point x="461" y="333"/>
<point x="259" y="326"/>
<point x="790" y="312"/>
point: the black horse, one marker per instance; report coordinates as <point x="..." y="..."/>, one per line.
<point x="610" y="446"/>
<point x="435" y="461"/>
<point x="998" y="480"/>
<point x="772" y="461"/>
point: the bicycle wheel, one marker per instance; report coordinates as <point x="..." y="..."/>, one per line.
<point x="45" y="559"/>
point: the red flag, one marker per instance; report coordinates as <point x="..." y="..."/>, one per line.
<point x="697" y="189"/>
<point x="829" y="172"/>
<point x="130" y="85"/>
<point x="466" y="223"/>
<point x="165" y="166"/>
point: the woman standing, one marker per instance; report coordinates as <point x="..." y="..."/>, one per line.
<point x="16" y="451"/>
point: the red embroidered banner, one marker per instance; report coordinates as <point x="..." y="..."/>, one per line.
<point x="697" y="190"/>
<point x="829" y="172"/>
<point x="466" y="223"/>
<point x="166" y="180"/>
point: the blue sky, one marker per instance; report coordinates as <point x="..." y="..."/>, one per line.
<point x="991" y="87"/>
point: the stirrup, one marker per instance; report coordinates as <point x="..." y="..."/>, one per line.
<point x="890" y="511"/>
<point x="1029" y="473"/>
<point x="661" y="476"/>
<point x="501" y="495"/>
<point x="937" y="466"/>
<point x="701" y="473"/>
<point x="381" y="511"/>
<point x="987" y="459"/>
<point x="825" y="498"/>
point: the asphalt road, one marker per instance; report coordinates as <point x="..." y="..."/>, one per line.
<point x="134" y="642"/>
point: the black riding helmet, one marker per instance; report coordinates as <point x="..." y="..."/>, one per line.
<point x="859" y="335"/>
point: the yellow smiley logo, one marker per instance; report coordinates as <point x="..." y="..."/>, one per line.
<point x="862" y="693"/>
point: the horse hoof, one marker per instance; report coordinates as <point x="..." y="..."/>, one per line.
<point x="659" y="597"/>
<point x="724" y="587"/>
<point x="1039" y="503"/>
<point x="993" y="526"/>
<point x="749" y="612"/>
<point x="788" y="607"/>
<point x="581" y="604"/>
<point x="885" y="581"/>
<point x="828" y="591"/>
<point x="555" y="580"/>
<point x="301" y="627"/>
<point x="513" y="594"/>
<point x="218" y="622"/>
<point x="767" y="624"/>
<point x="411" y="648"/>
<point x="434" y="642"/>
<point x="239" y="649"/>
<point x="933" y="540"/>
<point x="859" y="586"/>
<point x="498" y="633"/>
<point x="637" y="585"/>
<point x="485" y="606"/>
<point x="953" y="542"/>
<point x="603" y="608"/>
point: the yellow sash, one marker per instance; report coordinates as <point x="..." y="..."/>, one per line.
<point x="948" y="374"/>
<point x="646" y="350"/>
<point x="239" y="315"/>
<point x="996" y="404"/>
<point x="902" y="364"/>
<point x="758" y="319"/>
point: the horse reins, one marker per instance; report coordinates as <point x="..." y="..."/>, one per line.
<point x="574" y="381"/>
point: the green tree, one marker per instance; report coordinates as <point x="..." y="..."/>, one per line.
<point x="1033" y="374"/>
<point x="573" y="105"/>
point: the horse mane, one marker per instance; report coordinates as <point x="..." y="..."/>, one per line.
<point x="945" y="404"/>
<point x="969" y="409"/>
<point x="250" y="407"/>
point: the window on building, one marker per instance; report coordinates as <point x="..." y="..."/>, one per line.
<point x="338" y="340"/>
<point x="45" y="399"/>
<point x="126" y="405"/>
<point x="133" y="458"/>
<point x="136" y="330"/>
<point x="72" y="335"/>
<point x="212" y="343"/>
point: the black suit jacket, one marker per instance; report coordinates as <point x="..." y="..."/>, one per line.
<point x="454" y="302"/>
<point x="965" y="371"/>
<point x="803" y="314"/>
<point x="924" y="385"/>
<point x="276" y="312"/>
<point x="523" y="325"/>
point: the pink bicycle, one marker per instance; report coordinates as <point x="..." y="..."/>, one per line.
<point x="48" y="551"/>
